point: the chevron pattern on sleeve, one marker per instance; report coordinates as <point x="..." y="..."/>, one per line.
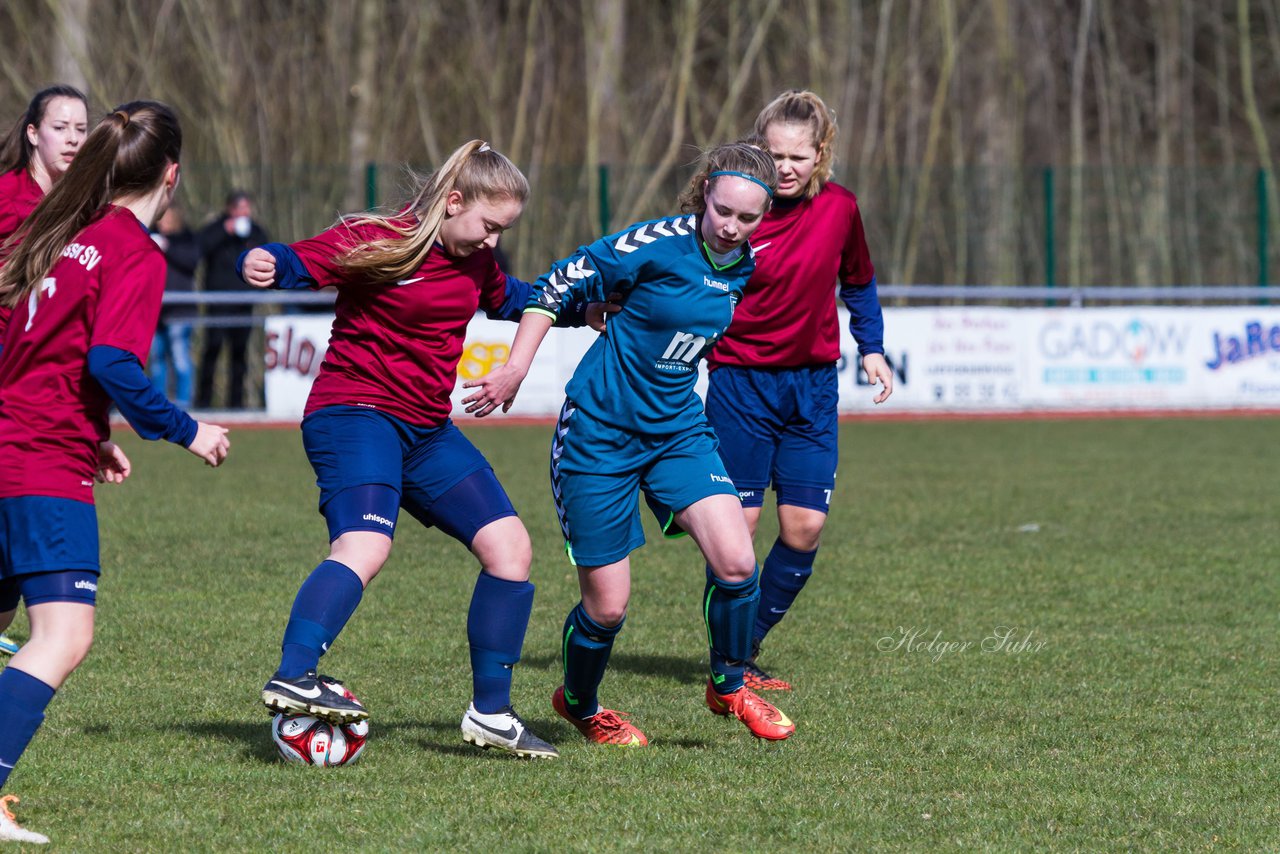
<point x="630" y="241"/>
<point x="561" y="279"/>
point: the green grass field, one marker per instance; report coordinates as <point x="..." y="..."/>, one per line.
<point x="1139" y="556"/>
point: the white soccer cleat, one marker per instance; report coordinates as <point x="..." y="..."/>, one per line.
<point x="10" y="830"/>
<point x="504" y="730"/>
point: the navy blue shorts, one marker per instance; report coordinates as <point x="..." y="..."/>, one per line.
<point x="368" y="464"/>
<point x="599" y="471"/>
<point x="43" y="536"/>
<point x="778" y="427"/>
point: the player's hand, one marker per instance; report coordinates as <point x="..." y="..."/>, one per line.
<point x="113" y="465"/>
<point x="210" y="444"/>
<point x="878" y="373"/>
<point x="598" y="312"/>
<point x="259" y="268"/>
<point x="494" y="389"/>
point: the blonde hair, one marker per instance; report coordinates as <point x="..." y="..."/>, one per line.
<point x="802" y="107"/>
<point x="475" y="170"/>
<point x="747" y="160"/>
<point x="125" y="155"/>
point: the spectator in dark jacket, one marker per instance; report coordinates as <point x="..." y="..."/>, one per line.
<point x="221" y="243"/>
<point x="171" y="347"/>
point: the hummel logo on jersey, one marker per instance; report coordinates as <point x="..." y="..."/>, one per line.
<point x="715" y="478"/>
<point x="86" y="585"/>
<point x="374" y="517"/>
<point x="712" y="283"/>
<point x="310" y="693"/>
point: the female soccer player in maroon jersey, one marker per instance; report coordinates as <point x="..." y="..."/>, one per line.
<point x="85" y="284"/>
<point x="33" y="154"/>
<point x="377" y="431"/>
<point x="37" y="150"/>
<point x="773" y="385"/>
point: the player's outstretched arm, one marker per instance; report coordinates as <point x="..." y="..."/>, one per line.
<point x="499" y="387"/>
<point x="878" y="373"/>
<point x="210" y="444"/>
<point x="259" y="268"/>
<point x="113" y="465"/>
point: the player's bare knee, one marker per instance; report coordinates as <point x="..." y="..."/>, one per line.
<point x="606" y="614"/>
<point x="363" y="553"/>
<point x="800" y="529"/>
<point x="736" y="569"/>
<point x="504" y="550"/>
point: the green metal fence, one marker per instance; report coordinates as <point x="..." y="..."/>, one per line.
<point x="1086" y="227"/>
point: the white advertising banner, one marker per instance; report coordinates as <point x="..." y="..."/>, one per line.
<point x="946" y="359"/>
<point x="296" y="344"/>
<point x="1134" y="357"/>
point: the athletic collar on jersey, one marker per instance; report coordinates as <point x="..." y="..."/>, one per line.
<point x="738" y="254"/>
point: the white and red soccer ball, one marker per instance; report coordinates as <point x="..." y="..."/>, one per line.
<point x="308" y="740"/>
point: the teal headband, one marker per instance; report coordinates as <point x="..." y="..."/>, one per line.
<point x="736" y="174"/>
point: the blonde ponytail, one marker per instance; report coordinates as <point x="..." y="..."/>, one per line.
<point x="475" y="170"/>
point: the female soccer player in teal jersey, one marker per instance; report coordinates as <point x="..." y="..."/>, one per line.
<point x="773" y="394"/>
<point x="633" y="422"/>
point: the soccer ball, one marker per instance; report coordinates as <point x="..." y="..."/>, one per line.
<point x="308" y="740"/>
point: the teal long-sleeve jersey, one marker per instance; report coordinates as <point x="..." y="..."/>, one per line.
<point x="676" y="303"/>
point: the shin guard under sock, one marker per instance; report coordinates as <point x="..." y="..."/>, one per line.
<point x="729" y="610"/>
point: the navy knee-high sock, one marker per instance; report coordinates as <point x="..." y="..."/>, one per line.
<point x="23" y="699"/>
<point x="729" y="609"/>
<point x="587" y="646"/>
<point x="783" y="577"/>
<point x="325" y="601"/>
<point x="496" y="623"/>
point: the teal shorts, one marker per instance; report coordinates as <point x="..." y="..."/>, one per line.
<point x="598" y="472"/>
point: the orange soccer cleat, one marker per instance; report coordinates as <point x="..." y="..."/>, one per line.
<point x="604" y="727"/>
<point x="761" y="717"/>
<point x="757" y="680"/>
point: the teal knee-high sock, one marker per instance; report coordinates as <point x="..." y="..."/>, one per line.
<point x="729" y="610"/>
<point x="587" y="646"/>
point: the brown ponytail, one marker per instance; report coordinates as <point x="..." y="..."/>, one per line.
<point x="125" y="155"/>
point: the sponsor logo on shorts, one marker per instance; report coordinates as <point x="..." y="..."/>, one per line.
<point x="744" y="494"/>
<point x="86" y="585"/>
<point x="374" y="517"/>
